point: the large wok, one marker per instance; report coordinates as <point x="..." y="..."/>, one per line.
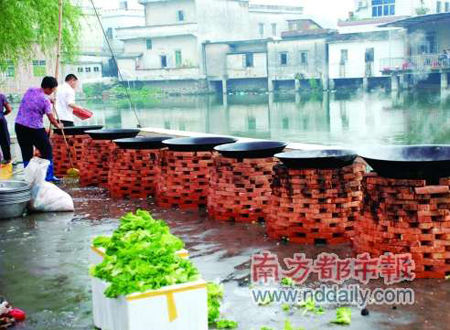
<point x="112" y="134"/>
<point x="197" y="143"/>
<point x="142" y="142"/>
<point x="257" y="149"/>
<point x="317" y="159"/>
<point x="409" y="162"/>
<point x="77" y="130"/>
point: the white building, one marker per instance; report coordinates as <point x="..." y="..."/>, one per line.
<point x="170" y="45"/>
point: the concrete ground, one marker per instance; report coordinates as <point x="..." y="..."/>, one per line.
<point x="44" y="268"/>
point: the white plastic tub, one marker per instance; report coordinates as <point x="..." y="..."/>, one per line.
<point x="102" y="307"/>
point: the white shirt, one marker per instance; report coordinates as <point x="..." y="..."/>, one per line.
<point x="65" y="95"/>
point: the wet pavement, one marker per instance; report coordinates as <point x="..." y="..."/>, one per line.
<point x="44" y="268"/>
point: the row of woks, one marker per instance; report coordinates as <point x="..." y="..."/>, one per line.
<point x="310" y="197"/>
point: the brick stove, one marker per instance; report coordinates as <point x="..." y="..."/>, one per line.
<point x="184" y="179"/>
<point x="240" y="189"/>
<point x="315" y="206"/>
<point x="134" y="173"/>
<point x="407" y="216"/>
<point x="95" y="163"/>
<point x="61" y="156"/>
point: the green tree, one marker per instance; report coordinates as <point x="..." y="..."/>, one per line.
<point x="26" y="23"/>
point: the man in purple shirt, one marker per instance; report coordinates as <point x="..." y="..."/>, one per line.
<point x="5" y="109"/>
<point x="30" y="129"/>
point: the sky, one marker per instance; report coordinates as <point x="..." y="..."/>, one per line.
<point x="325" y="12"/>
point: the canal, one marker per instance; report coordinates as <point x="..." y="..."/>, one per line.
<point x="339" y="118"/>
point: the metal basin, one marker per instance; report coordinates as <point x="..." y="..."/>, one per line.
<point x="12" y="210"/>
<point x="409" y="162"/>
<point x="197" y="143"/>
<point x="257" y="149"/>
<point x="13" y="186"/>
<point x="317" y="159"/>
<point x="14" y="196"/>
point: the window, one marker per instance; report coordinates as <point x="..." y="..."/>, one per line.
<point x="447" y="7"/>
<point x="370" y="55"/>
<point x="283" y="58"/>
<point x="80" y="69"/>
<point x="383" y="8"/>
<point x="438" y="6"/>
<point x="180" y="16"/>
<point x="9" y="69"/>
<point x="163" y="61"/>
<point x="304" y="58"/>
<point x="148" y="43"/>
<point x="109" y="33"/>
<point x="261" y="29"/>
<point x="178" y="58"/>
<point x="96" y="69"/>
<point x="87" y="69"/>
<point x="344" y="56"/>
<point x="123" y="5"/>
<point x="274" y="29"/>
<point x="39" y="68"/>
<point x="248" y="60"/>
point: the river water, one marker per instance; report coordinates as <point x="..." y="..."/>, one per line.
<point x="343" y="119"/>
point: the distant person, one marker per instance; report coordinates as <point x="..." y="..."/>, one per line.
<point x="444" y="58"/>
<point x="65" y="100"/>
<point x="5" y="142"/>
<point x="30" y="129"/>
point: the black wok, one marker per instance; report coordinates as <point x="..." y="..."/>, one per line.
<point x="142" y="142"/>
<point x="112" y="134"/>
<point x="257" y="149"/>
<point x="77" y="130"/>
<point x="409" y="162"/>
<point x="197" y="143"/>
<point x="317" y="159"/>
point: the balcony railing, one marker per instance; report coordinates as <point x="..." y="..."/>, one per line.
<point x="417" y="63"/>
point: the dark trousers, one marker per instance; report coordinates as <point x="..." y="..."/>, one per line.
<point x="5" y="141"/>
<point x="67" y="123"/>
<point x="33" y="137"/>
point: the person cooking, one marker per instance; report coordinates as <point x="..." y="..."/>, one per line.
<point x="29" y="126"/>
<point x="65" y="100"/>
<point x="5" y="142"/>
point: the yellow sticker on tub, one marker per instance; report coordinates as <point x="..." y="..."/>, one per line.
<point x="169" y="293"/>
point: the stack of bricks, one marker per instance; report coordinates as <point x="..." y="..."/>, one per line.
<point x="94" y="167"/>
<point x="134" y="173"/>
<point x="184" y="179"/>
<point x="240" y="189"/>
<point x="315" y="206"/>
<point x="407" y="216"/>
<point x="61" y="156"/>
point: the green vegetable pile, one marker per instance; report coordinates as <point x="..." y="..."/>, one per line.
<point x="343" y="316"/>
<point x="141" y="256"/>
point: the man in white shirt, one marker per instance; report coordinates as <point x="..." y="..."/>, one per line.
<point x="65" y="100"/>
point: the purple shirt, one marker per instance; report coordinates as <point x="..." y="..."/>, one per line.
<point x="3" y="103"/>
<point x="33" y="107"/>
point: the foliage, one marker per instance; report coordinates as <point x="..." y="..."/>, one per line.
<point x="226" y="324"/>
<point x="310" y="306"/>
<point x="422" y="10"/>
<point x="141" y="256"/>
<point x="343" y="316"/>
<point x="215" y="296"/>
<point x="287" y="282"/>
<point x="286" y="307"/>
<point x="288" y="326"/>
<point x="266" y="328"/>
<point x="35" y="22"/>
<point x="95" y="89"/>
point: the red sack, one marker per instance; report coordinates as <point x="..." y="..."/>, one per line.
<point x="83" y="114"/>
